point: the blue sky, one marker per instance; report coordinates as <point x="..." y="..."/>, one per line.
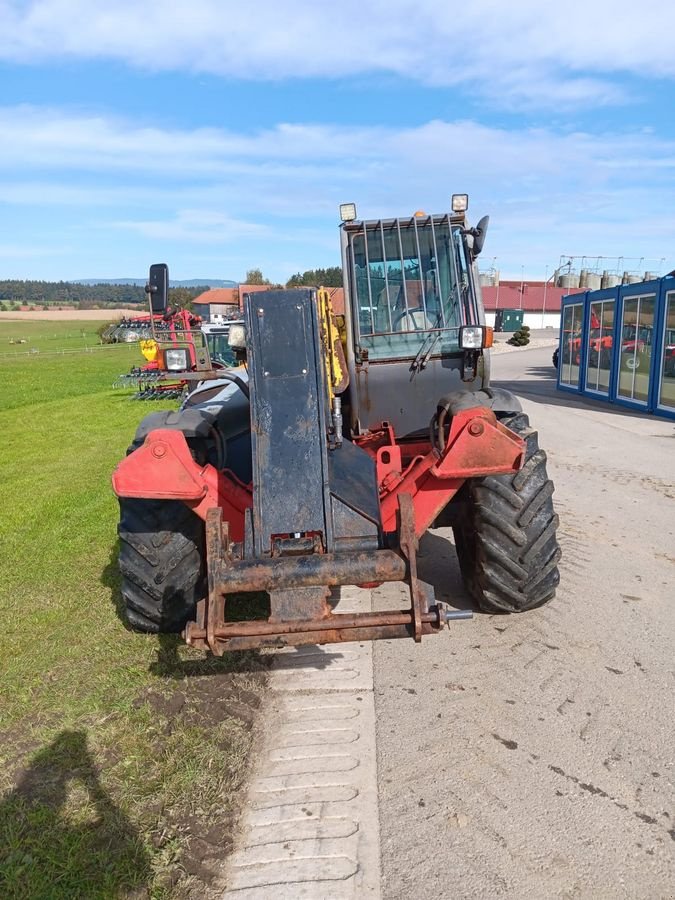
<point x="218" y="137"/>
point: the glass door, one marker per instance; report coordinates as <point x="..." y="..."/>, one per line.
<point x="636" y="336"/>
<point x="569" y="365"/>
<point x="599" y="346"/>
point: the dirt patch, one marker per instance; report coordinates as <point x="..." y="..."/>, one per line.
<point x="204" y="832"/>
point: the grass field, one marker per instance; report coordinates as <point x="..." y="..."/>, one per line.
<point x="46" y="337"/>
<point x="120" y="754"/>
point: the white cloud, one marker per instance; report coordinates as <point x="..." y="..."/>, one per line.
<point x="195" y="226"/>
<point x="38" y="139"/>
<point x="274" y="193"/>
<point x="549" y="54"/>
<point x="53" y="139"/>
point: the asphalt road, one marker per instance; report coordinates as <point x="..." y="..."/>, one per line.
<point x="532" y="756"/>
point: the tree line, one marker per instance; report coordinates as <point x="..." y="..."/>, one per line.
<point x="330" y="277"/>
<point x="69" y="293"/>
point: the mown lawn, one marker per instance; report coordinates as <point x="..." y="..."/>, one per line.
<point x="120" y="754"/>
<point x="47" y="336"/>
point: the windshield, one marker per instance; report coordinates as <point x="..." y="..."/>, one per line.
<point x="411" y="285"/>
<point x="219" y="350"/>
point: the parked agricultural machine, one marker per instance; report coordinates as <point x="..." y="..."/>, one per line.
<point x="173" y="343"/>
<point x="325" y="457"/>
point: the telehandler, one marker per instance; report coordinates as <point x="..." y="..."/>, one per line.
<point x="324" y="457"/>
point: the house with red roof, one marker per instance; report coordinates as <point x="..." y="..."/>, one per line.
<point x="539" y="300"/>
<point x="217" y="304"/>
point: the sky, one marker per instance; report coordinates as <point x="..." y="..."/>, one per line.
<point x="219" y="136"/>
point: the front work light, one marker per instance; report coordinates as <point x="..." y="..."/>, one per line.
<point x="176" y="360"/>
<point x="460" y="203"/>
<point x="236" y="337"/>
<point x="347" y="212"/>
<point x="475" y="337"/>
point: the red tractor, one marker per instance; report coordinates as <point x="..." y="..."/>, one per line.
<point x="174" y="343"/>
<point x="325" y="457"/>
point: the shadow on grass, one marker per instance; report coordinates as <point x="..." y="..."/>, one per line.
<point x="49" y="849"/>
<point x="170" y="663"/>
<point x="110" y="578"/>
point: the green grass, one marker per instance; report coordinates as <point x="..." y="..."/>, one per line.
<point x="47" y="337"/>
<point x="98" y="769"/>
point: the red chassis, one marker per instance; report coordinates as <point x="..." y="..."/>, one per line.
<point x="416" y="481"/>
<point x="477" y="445"/>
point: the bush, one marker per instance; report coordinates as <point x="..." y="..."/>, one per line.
<point x="520" y="338"/>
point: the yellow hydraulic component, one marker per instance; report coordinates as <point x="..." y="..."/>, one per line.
<point x="336" y="365"/>
<point x="149" y="349"/>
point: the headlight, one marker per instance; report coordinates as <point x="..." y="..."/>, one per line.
<point x="236" y="337"/>
<point x="176" y="360"/>
<point x="475" y="337"/>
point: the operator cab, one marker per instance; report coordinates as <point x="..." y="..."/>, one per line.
<point x="220" y="350"/>
<point x="412" y="306"/>
<point x="410" y="278"/>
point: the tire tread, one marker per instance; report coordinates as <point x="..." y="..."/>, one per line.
<point x="507" y="545"/>
<point x="161" y="561"/>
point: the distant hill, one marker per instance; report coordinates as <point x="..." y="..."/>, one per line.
<point x="141" y="282"/>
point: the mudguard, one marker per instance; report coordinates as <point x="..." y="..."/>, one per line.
<point x="496" y="399"/>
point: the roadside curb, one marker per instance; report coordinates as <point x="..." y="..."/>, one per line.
<point x="311" y="824"/>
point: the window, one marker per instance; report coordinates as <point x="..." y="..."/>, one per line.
<point x="219" y="349"/>
<point x="406" y="286"/>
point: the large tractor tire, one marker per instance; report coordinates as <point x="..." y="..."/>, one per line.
<point x="161" y="560"/>
<point x="506" y="541"/>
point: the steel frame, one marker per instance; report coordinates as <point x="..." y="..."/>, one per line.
<point x="415" y="480"/>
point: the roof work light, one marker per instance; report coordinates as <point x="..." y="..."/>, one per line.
<point x="460" y="203"/>
<point x="347" y="212"/>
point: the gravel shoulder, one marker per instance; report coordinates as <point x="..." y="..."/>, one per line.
<point x="532" y="756"/>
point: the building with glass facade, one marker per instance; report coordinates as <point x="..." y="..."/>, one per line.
<point x="618" y="345"/>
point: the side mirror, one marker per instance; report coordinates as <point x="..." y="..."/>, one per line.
<point x="479" y="233"/>
<point x="158" y="287"/>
